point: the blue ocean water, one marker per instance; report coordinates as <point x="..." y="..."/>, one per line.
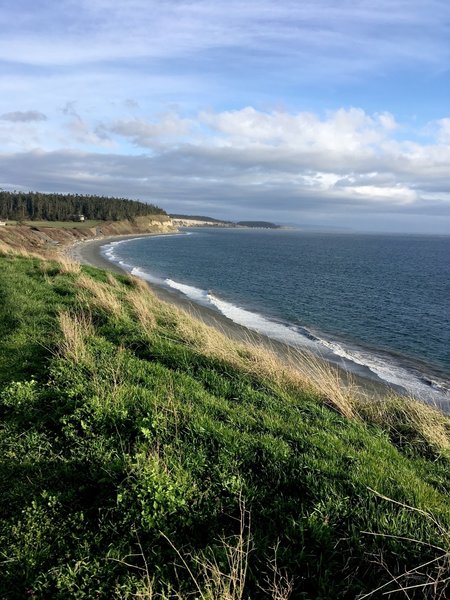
<point x="376" y="304"/>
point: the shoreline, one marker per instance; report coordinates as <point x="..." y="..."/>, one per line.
<point x="88" y="253"/>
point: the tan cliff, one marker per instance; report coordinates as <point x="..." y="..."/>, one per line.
<point x="41" y="237"/>
<point x="178" y="222"/>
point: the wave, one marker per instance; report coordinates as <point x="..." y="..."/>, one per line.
<point x="391" y="370"/>
<point x="108" y="251"/>
<point x="369" y="363"/>
<point x="257" y="322"/>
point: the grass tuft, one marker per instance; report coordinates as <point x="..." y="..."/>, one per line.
<point x="76" y="328"/>
<point x="409" y="421"/>
<point x="67" y="265"/>
<point x="101" y="295"/>
<point x="300" y="373"/>
<point x="143" y="304"/>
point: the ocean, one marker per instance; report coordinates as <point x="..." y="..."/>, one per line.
<point x="377" y="305"/>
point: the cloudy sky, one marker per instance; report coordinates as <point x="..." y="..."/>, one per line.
<point x="324" y="113"/>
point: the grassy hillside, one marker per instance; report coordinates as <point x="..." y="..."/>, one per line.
<point x="144" y="455"/>
<point x="63" y="224"/>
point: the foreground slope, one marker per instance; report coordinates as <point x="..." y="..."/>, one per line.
<point x="144" y="454"/>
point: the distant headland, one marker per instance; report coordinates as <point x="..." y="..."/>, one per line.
<point x="202" y="221"/>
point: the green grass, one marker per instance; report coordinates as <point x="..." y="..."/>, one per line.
<point x="135" y="461"/>
<point x="64" y="224"/>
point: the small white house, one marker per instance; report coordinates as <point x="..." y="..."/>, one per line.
<point x="2" y="223"/>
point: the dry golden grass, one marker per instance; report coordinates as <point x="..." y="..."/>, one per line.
<point x="112" y="280"/>
<point x="226" y="580"/>
<point x="300" y="372"/>
<point x="228" y="583"/>
<point x="100" y="294"/>
<point x="220" y="581"/>
<point x="138" y="283"/>
<point x="4" y="249"/>
<point x="7" y="249"/>
<point x="76" y="328"/>
<point x="67" y="264"/>
<point x="405" y="415"/>
<point x="143" y="307"/>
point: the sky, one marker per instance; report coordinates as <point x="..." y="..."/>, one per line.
<point x="327" y="114"/>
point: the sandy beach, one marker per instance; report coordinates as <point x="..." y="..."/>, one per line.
<point x="89" y="253"/>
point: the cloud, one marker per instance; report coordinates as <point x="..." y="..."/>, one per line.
<point x="343" y="131"/>
<point x="314" y="31"/>
<point x="442" y="127"/>
<point x="337" y="165"/>
<point x="147" y="134"/>
<point x="69" y="109"/>
<point x="82" y="134"/>
<point x="23" y="116"/>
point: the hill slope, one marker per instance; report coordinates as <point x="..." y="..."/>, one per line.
<point x="143" y="453"/>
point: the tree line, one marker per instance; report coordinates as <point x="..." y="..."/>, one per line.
<point x="37" y="206"/>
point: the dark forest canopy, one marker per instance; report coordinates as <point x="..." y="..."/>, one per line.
<point x="36" y="206"/>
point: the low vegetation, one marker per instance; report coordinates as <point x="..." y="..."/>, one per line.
<point x="144" y="455"/>
<point x="87" y="224"/>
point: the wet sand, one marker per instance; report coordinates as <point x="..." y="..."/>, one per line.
<point x="89" y="253"/>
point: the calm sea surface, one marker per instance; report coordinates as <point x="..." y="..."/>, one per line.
<point x="376" y="304"/>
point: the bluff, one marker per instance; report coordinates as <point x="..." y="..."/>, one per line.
<point x="43" y="236"/>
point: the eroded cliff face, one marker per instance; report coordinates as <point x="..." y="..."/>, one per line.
<point x="156" y="223"/>
<point x="41" y="238"/>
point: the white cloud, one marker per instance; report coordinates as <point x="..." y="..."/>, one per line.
<point x="343" y="131"/>
<point x="393" y="195"/>
<point x="443" y="130"/>
<point x="82" y="134"/>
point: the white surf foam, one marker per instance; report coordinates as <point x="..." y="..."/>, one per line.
<point x="388" y="369"/>
<point x="147" y="276"/>
<point x="109" y="252"/>
<point x="195" y="294"/>
<point x="260" y="324"/>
